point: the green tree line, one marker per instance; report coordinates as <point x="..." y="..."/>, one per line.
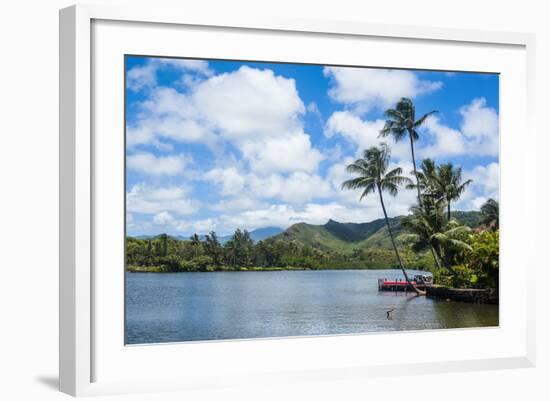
<point x="164" y="253"/>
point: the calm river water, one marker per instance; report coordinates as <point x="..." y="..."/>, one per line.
<point x="171" y="307"/>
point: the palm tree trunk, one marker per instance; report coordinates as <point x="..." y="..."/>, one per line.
<point x="418" y="292"/>
<point x="444" y="260"/>
<point x="437" y="263"/>
<point x="415" y="172"/>
<point x="448" y="210"/>
<point x="436" y="260"/>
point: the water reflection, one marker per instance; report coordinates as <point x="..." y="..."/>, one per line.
<point x="235" y="305"/>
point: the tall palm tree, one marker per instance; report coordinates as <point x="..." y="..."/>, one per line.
<point x="373" y="176"/>
<point x="402" y="122"/>
<point x="449" y="185"/>
<point x="489" y="214"/>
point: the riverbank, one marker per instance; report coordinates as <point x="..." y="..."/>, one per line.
<point x="468" y="295"/>
<point x="163" y="269"/>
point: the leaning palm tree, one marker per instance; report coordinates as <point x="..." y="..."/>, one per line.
<point x="489" y="214"/>
<point x="449" y="184"/>
<point x="373" y="176"/>
<point x="402" y="122"/>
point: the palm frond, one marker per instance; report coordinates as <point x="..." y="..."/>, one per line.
<point x="368" y="189"/>
<point x="460" y="245"/>
<point x="356" y="183"/>
<point x="389" y="187"/>
<point x="395" y="114"/>
<point x="453" y="232"/>
<point x="422" y="119"/>
<point x="359" y="167"/>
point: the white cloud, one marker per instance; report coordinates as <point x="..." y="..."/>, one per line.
<point x="140" y="77"/>
<point x="167" y="115"/>
<point x="145" y="76"/>
<point x="288" y="152"/>
<point x="164" y="101"/>
<point x="230" y="179"/>
<point x="237" y="204"/>
<point x="488" y="177"/>
<point x="199" y="66"/>
<point x="250" y="102"/>
<point x="150" y="164"/>
<point x="480" y="124"/>
<point x="163" y="218"/>
<point x="478" y="134"/>
<point x="143" y="198"/>
<point x="366" y="88"/>
<point x="259" y="113"/>
<point x="362" y="133"/>
<point x="296" y="187"/>
<point x="446" y="141"/>
<point x="197" y="226"/>
<point x="485" y="184"/>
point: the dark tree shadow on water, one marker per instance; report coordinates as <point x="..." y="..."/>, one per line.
<point x="52" y="382"/>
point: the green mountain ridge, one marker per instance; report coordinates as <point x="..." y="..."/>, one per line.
<point x="348" y="237"/>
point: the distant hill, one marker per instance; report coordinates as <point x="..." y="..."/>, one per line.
<point x="258" y="234"/>
<point x="345" y="237"/>
<point x="339" y="237"/>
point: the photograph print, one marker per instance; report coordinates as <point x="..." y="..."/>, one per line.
<point x="270" y="199"/>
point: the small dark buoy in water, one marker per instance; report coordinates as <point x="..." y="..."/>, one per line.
<point x="389" y="314"/>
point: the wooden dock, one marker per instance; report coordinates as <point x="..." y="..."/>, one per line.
<point x="396" y="285"/>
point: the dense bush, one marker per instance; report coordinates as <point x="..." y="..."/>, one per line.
<point x="479" y="267"/>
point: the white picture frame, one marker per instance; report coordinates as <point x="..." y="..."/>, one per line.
<point x="81" y="343"/>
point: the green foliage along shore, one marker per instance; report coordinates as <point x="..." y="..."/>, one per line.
<point x="167" y="254"/>
<point x="333" y="245"/>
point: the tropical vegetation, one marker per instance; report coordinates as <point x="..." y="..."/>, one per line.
<point x="460" y="248"/>
<point x="458" y="257"/>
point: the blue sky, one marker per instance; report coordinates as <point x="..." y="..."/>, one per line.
<point x="220" y="145"/>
